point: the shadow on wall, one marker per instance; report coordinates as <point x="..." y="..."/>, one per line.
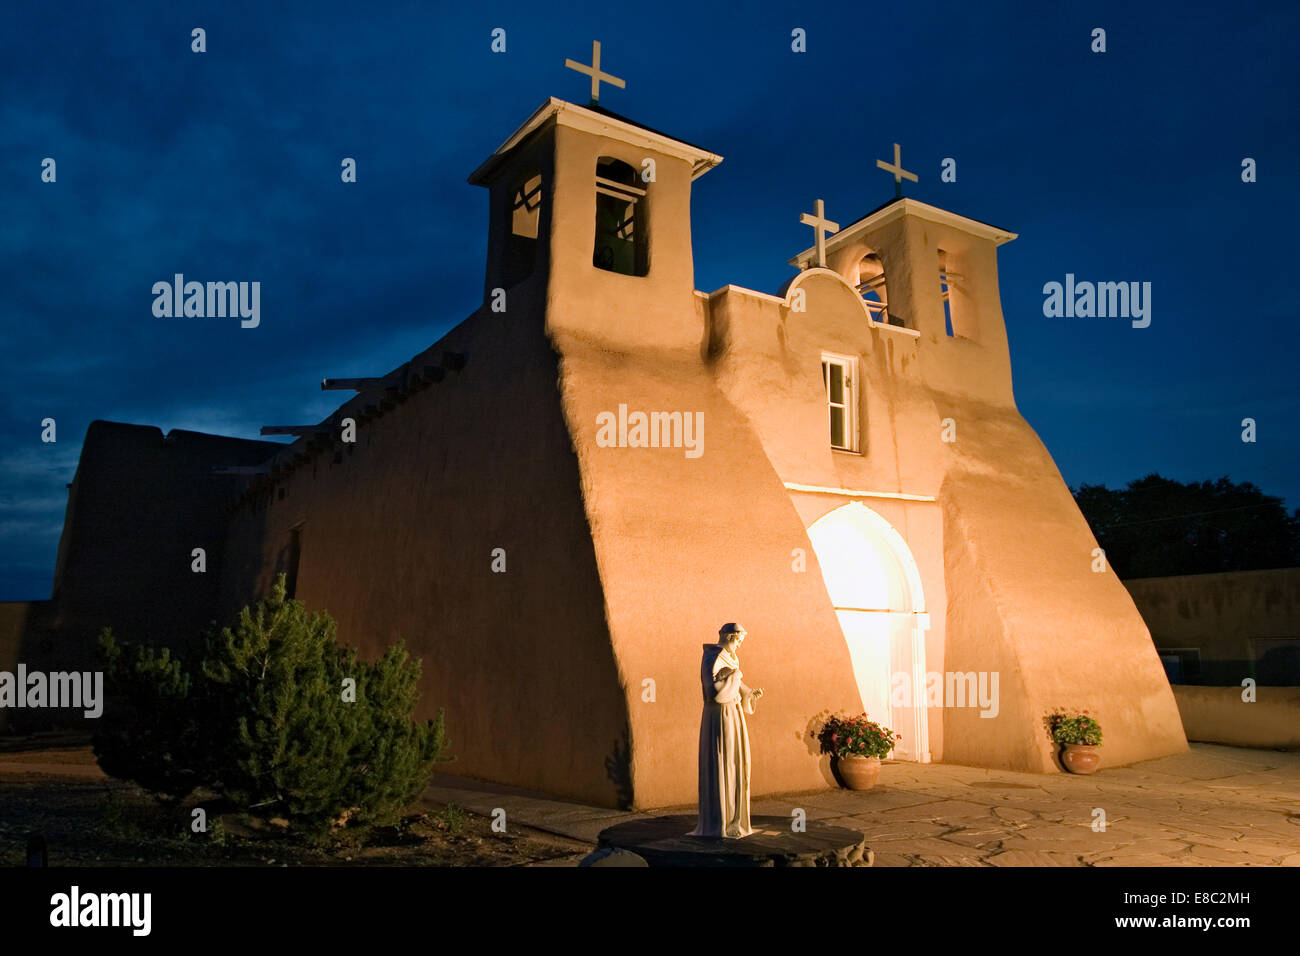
<point x="811" y="741"/>
<point x="618" y="767"/>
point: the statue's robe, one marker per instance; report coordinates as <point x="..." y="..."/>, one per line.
<point x="724" y="747"/>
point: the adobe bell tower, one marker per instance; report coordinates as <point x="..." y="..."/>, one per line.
<point x="932" y="275"/>
<point x="591" y="214"/>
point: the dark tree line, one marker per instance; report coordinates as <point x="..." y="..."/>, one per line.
<point x="1156" y="527"/>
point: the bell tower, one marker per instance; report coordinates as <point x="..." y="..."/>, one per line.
<point x="591" y="215"/>
<point x="933" y="276"/>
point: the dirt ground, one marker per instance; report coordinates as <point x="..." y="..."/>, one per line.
<point x="50" y="785"/>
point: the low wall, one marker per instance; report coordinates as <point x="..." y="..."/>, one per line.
<point x="1218" y="715"/>
<point x="28" y="636"/>
<point x="13" y="625"/>
<point x="16" y="645"/>
<point x="1240" y="622"/>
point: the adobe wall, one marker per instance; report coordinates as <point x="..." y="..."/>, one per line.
<point x="397" y="541"/>
<point x="1007" y="566"/>
<point x="1218" y="715"/>
<point x="685" y="545"/>
<point x="19" y="643"/>
<point x="1023" y="596"/>
<point x="1220" y="614"/>
<point x="767" y="361"/>
<point x="28" y="636"/>
<point x="138" y="506"/>
<point x="13" y="625"/>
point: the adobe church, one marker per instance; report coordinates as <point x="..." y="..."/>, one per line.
<point x="558" y="502"/>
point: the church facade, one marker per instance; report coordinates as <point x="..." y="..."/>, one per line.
<point x="557" y="503"/>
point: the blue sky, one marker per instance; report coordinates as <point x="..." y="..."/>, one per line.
<point x="1122" y="166"/>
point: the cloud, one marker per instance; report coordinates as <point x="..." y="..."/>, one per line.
<point x="15" y="506"/>
<point x="25" y="529"/>
<point x="40" y="462"/>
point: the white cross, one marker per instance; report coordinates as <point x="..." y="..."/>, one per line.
<point x="821" y="225"/>
<point x="897" y="169"/>
<point x="593" y="71"/>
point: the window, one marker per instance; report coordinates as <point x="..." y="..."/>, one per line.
<point x="524" y="208"/>
<point x="1182" y="664"/>
<point x="957" y="328"/>
<point x="944" y="293"/>
<point x="1277" y="661"/>
<point x="620" y="244"/>
<point x="521" y="245"/>
<point x="839" y="376"/>
<point x="292" y="559"/>
<point x="871" y="286"/>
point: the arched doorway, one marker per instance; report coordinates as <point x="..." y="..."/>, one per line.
<point x="875" y="587"/>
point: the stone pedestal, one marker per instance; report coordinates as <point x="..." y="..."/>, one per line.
<point x="665" y="841"/>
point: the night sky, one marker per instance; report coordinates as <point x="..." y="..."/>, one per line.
<point x="1122" y="166"/>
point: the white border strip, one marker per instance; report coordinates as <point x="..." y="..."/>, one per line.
<point x="853" y="493"/>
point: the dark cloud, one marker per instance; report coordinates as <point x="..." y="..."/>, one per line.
<point x="1122" y="166"/>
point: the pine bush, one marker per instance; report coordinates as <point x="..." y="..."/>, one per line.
<point x="148" y="732"/>
<point x="277" y="728"/>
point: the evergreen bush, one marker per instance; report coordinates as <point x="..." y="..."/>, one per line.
<point x="279" y="718"/>
<point x="148" y="732"/>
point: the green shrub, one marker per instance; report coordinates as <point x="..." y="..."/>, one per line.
<point x="267" y="720"/>
<point x="1074" y="729"/>
<point x="844" y="736"/>
<point x="148" y="732"/>
<point x="452" y="817"/>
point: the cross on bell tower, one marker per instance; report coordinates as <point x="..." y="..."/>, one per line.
<point x="821" y="227"/>
<point x="899" y="172"/>
<point x="597" y="77"/>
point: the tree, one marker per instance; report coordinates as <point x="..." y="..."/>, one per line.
<point x="301" y="742"/>
<point x="148" y="732"/>
<point x="1156" y="527"/>
<point x="283" y="721"/>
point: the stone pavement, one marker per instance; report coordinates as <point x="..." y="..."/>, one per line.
<point x="1211" y="806"/>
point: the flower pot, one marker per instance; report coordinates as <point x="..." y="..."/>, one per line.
<point x="1080" y="758"/>
<point x="858" y="773"/>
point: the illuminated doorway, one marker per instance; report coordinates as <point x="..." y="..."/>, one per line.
<point x="875" y="588"/>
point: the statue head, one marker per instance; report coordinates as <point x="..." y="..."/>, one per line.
<point x="730" y="636"/>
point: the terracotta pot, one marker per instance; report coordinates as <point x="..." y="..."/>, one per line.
<point x="858" y="773"/>
<point x="1080" y="758"/>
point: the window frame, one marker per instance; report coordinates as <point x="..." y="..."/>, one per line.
<point x="849" y="364"/>
<point x="522" y="239"/>
<point x="530" y="202"/>
<point x="954" y="326"/>
<point x="637" y="197"/>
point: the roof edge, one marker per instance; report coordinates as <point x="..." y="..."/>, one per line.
<point x="569" y="114"/>
<point x="907" y="206"/>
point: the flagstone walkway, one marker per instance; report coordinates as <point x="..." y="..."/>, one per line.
<point x="1211" y="806"/>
